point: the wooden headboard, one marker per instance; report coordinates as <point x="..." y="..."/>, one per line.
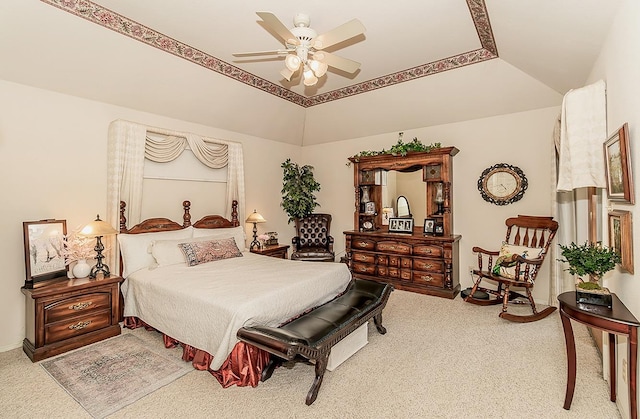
<point x="152" y="225"/>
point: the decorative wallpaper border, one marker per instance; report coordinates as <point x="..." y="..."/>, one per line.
<point x="97" y="14"/>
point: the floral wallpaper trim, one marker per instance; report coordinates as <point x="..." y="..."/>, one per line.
<point x="109" y="19"/>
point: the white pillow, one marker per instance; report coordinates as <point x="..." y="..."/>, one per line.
<point x="506" y="266"/>
<point x="135" y="248"/>
<point x="223" y="233"/>
<point x="167" y="252"/>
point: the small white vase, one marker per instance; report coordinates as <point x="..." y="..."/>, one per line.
<point x="81" y="269"/>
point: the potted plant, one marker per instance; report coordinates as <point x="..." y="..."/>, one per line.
<point x="298" y="187"/>
<point x="590" y="260"/>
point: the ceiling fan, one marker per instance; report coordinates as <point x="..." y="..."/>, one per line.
<point x="304" y="48"/>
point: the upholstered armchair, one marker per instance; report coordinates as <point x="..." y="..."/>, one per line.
<point x="313" y="241"/>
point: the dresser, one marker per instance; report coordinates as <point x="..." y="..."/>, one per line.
<point x="411" y="262"/>
<point x="423" y="258"/>
<point x="64" y="314"/>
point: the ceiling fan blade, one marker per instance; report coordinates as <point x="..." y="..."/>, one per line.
<point x="339" y="63"/>
<point x="341" y="33"/>
<point x="272" y="52"/>
<point x="278" y="27"/>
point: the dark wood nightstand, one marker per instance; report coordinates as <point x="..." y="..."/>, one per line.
<point x="276" y="250"/>
<point x="64" y="314"/>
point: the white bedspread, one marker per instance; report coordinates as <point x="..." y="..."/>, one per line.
<point x="205" y="305"/>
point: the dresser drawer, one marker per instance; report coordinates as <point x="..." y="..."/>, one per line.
<point x="428" y="278"/>
<point x="427" y="250"/>
<point x="75" y="306"/>
<point x="394" y="261"/>
<point x="394" y="247"/>
<point x="363" y="244"/>
<point x="431" y="265"/>
<point x="363" y="268"/>
<point x="65" y="329"/>
<point x="363" y="257"/>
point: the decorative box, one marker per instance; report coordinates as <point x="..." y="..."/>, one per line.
<point x="600" y="297"/>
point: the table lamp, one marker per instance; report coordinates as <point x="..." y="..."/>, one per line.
<point x="255" y="218"/>
<point x="97" y="229"/>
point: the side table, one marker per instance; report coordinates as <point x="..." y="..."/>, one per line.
<point x="65" y="314"/>
<point x="616" y="320"/>
<point x="276" y="250"/>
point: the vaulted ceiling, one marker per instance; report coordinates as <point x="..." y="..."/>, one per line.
<point x="423" y="62"/>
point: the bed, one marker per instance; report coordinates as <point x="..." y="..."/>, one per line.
<point x="197" y="285"/>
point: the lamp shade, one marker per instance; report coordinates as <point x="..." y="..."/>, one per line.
<point x="255" y="218"/>
<point x="97" y="228"/>
<point x="292" y="62"/>
<point x="309" y="78"/>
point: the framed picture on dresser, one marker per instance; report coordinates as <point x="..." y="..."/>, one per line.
<point x="401" y="225"/>
<point x="43" y="250"/>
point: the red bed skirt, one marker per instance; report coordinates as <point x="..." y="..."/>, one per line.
<point x="243" y="367"/>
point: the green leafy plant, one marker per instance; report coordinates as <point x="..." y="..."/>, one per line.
<point x="298" y="187"/>
<point x="399" y="149"/>
<point x="592" y="259"/>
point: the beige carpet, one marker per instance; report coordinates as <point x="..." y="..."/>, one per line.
<point x="106" y="376"/>
<point x="439" y="359"/>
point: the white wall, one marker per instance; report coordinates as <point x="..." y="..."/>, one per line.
<point x="619" y="66"/>
<point x="521" y="139"/>
<point x="53" y="165"/>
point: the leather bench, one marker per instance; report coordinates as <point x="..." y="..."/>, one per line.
<point x="313" y="334"/>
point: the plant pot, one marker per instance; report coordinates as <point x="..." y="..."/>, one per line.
<point x="601" y="297"/>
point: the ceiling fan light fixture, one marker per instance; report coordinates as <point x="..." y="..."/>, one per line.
<point x="292" y="62"/>
<point x="319" y="68"/>
<point x="286" y="73"/>
<point x="309" y="78"/>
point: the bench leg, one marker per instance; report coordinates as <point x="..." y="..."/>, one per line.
<point x="267" y="372"/>
<point x="377" y="320"/>
<point x="321" y="367"/>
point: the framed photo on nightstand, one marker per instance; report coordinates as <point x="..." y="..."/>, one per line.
<point x="43" y="250"/>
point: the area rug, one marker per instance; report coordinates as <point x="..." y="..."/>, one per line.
<point x="109" y="375"/>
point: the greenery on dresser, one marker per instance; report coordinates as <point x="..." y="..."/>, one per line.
<point x="298" y="188"/>
<point x="592" y="259"/>
<point x="400" y="148"/>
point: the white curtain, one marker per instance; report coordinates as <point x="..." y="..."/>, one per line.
<point x="578" y="139"/>
<point x="129" y="145"/>
<point x="563" y="210"/>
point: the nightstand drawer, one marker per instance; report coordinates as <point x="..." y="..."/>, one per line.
<point x="55" y="332"/>
<point x="74" y="306"/>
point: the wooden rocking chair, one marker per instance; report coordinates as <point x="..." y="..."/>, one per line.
<point x="531" y="236"/>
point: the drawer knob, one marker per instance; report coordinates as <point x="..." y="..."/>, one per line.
<point x="80" y="306"/>
<point x="80" y="325"/>
<point x="427" y="278"/>
<point x="428" y="266"/>
<point x="362" y="244"/>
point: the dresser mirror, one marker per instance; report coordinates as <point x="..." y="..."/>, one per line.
<point x="402" y="206"/>
<point x="411" y="188"/>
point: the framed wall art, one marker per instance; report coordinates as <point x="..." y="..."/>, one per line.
<point x="401" y="225"/>
<point x="43" y="246"/>
<point x="618" y="166"/>
<point x="621" y="238"/>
